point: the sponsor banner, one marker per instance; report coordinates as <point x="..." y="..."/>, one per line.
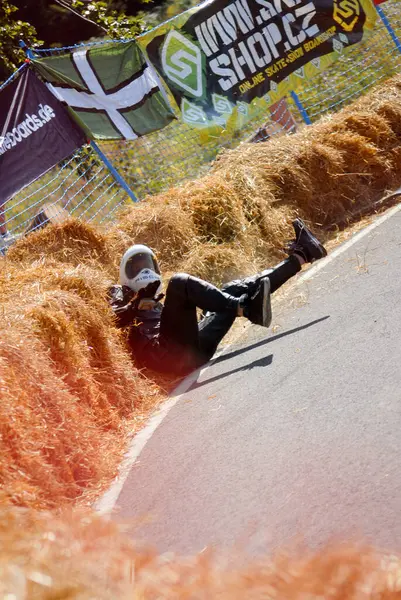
<point x="221" y="56"/>
<point x="36" y="133"/>
<point x="110" y="90"/>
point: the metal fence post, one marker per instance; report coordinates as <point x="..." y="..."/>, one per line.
<point x="301" y="108"/>
<point x="114" y="172"/>
<point x="389" y="28"/>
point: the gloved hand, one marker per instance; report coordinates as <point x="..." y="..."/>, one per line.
<point x="145" y="299"/>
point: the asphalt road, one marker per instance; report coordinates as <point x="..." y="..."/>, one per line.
<point x="294" y="435"/>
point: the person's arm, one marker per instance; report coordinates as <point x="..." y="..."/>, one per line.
<point x="120" y="302"/>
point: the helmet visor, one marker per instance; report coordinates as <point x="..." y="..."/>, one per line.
<point x="141" y="261"/>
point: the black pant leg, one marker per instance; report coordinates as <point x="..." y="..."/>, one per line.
<point x="281" y="273"/>
<point x="277" y="275"/>
<point x="214" y="326"/>
<point x="184" y="294"/>
<point x="179" y="323"/>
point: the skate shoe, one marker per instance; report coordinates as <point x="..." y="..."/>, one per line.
<point x="305" y="243"/>
<point x="258" y="304"/>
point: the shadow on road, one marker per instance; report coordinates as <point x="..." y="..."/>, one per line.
<point x="265" y="361"/>
<point x="267" y="340"/>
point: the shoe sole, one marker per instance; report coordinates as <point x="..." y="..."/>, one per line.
<point x="318" y="245"/>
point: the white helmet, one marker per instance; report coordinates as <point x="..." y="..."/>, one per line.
<point x="139" y="267"/>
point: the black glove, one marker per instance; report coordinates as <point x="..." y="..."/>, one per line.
<point x="147" y="293"/>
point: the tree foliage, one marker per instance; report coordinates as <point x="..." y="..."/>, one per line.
<point x="67" y="22"/>
<point x="12" y="30"/>
<point x="114" y="23"/>
<point x="61" y="23"/>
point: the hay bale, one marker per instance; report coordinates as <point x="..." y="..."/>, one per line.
<point x="274" y="165"/>
<point x="370" y="125"/>
<point x="72" y="241"/>
<point x="77" y="555"/>
<point x="66" y="375"/>
<point x="49" y="444"/>
<point x="219" y="262"/>
<point x="162" y="225"/>
<point x="362" y="158"/>
<point x="392" y="113"/>
<point x="214" y="208"/>
<point x="256" y="198"/>
<point x="88" y="352"/>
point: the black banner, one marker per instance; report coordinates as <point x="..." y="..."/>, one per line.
<point x="226" y="53"/>
<point x="36" y="133"/>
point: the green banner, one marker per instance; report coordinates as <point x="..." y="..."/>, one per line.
<point x="110" y="90"/>
<point x="221" y="58"/>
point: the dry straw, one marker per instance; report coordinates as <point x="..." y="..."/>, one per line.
<point x="69" y="388"/>
<point x="82" y="557"/>
<point x="159" y="223"/>
<point x="71" y="242"/>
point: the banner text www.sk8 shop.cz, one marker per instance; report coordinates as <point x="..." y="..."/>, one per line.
<point x="282" y="63"/>
<point x="253" y="40"/>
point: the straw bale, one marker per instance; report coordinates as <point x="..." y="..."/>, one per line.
<point x="215" y="209"/>
<point x="392" y="113"/>
<point x="161" y="225"/>
<point x="64" y="368"/>
<point x="368" y="124"/>
<point x="363" y="158"/>
<point x="219" y="262"/>
<point x="50" y="444"/>
<point x="88" y="353"/>
<point x="324" y="166"/>
<point x="29" y="281"/>
<point x="295" y="176"/>
<point x="74" y="242"/>
<point x="275" y="165"/>
<point x="254" y="195"/>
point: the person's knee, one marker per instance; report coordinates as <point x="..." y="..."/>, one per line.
<point x="178" y="283"/>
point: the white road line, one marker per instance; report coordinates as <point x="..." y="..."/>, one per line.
<point x="344" y="247"/>
<point x="107" y="502"/>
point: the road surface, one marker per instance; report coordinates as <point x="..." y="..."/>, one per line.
<point x="295" y="434"/>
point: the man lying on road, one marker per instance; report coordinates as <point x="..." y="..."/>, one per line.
<point x="168" y="337"/>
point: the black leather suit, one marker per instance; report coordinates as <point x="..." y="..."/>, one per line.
<point x="169" y="338"/>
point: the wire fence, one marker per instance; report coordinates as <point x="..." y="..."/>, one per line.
<point x="356" y="70"/>
<point x="164" y="158"/>
<point x="81" y="186"/>
<point x="84" y="186"/>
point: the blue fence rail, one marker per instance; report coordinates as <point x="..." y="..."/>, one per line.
<point x="98" y="179"/>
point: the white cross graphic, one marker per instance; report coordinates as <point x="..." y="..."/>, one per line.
<point x="127" y="96"/>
